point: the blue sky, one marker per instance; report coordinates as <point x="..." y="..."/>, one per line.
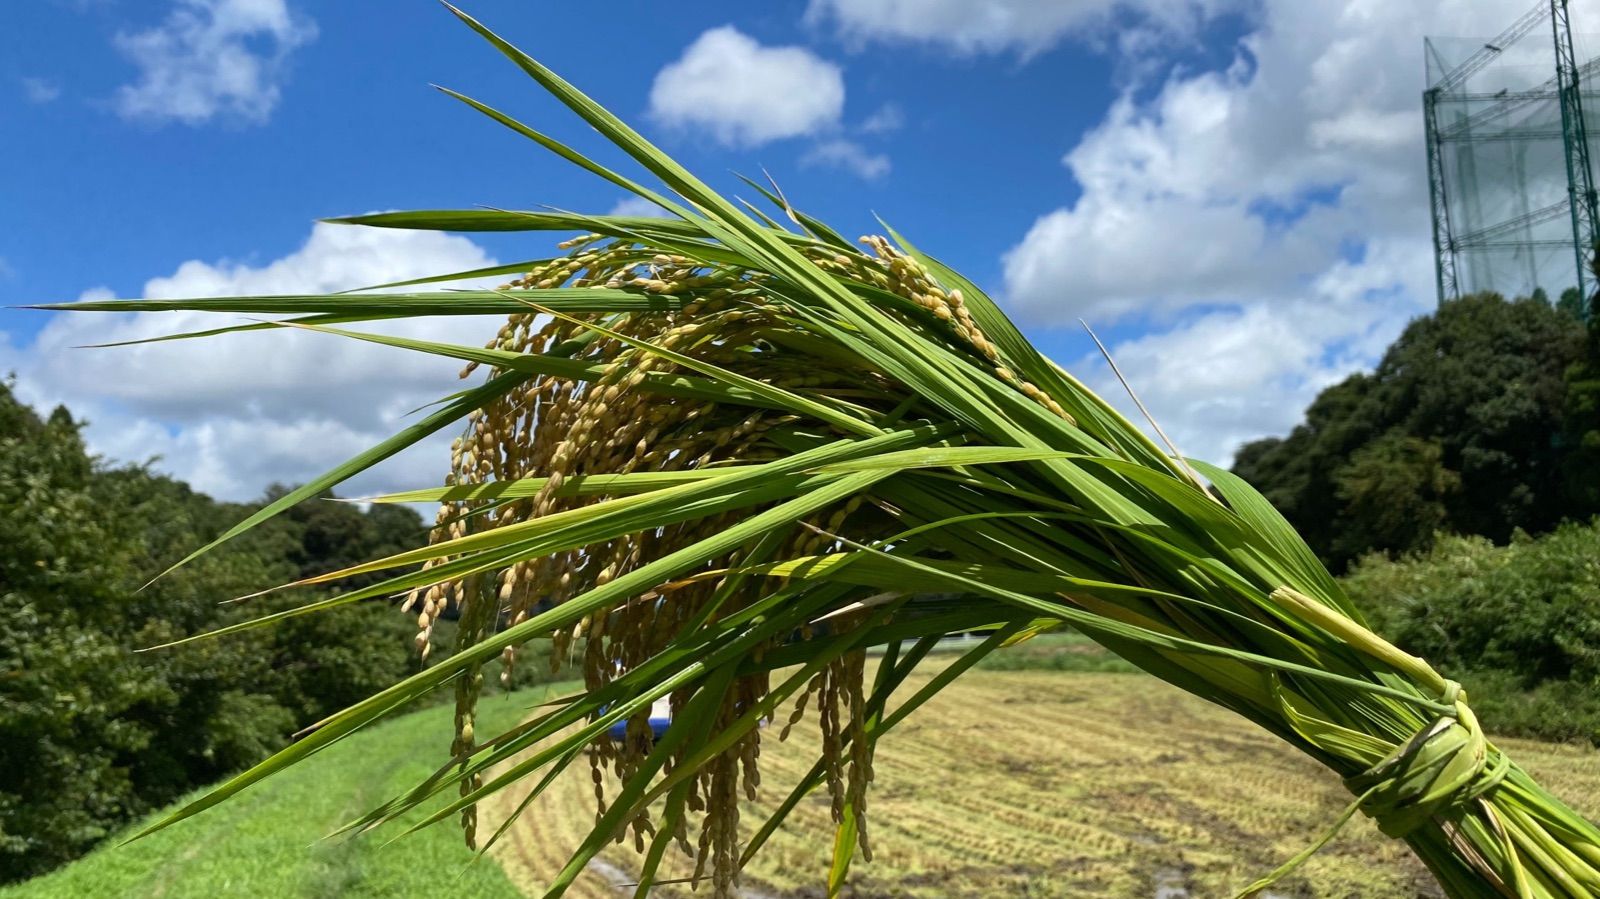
<point x="356" y="127"/>
<point x="1230" y="191"/>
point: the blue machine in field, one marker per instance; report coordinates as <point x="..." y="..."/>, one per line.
<point x="660" y="717"/>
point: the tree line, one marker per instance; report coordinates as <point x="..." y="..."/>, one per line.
<point x="1459" y="484"/>
<point x="1482" y="418"/>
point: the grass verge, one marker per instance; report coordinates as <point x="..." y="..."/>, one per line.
<point x="266" y="841"/>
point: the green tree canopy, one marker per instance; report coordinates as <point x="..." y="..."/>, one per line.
<point x="93" y="733"/>
<point x="1458" y="429"/>
<point x="1581" y="431"/>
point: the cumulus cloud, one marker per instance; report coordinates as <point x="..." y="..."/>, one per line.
<point x="1225" y="375"/>
<point x="211" y="58"/>
<point x="847" y="155"/>
<point x="1023" y="26"/>
<point x="744" y="94"/>
<point x="1264" y="224"/>
<point x="232" y="414"/>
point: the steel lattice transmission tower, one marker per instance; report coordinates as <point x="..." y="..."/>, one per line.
<point x="1510" y="174"/>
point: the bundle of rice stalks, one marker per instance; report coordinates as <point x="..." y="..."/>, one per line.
<point x="720" y="457"/>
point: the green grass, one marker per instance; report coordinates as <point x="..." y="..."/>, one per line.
<point x="265" y="842"/>
<point x="1062" y="651"/>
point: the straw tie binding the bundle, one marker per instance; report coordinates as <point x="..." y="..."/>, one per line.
<point x="1448" y="763"/>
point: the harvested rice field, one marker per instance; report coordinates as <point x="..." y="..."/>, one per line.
<point x="1045" y="784"/>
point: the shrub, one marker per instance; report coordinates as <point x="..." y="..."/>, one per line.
<point x="1519" y="625"/>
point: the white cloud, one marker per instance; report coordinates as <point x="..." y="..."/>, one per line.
<point x="211" y="58"/>
<point x="232" y="414"/>
<point x="1221" y="379"/>
<point x="1024" y="26"/>
<point x="745" y="94"/>
<point x="1231" y="374"/>
<point x="847" y="155"/>
<point x="40" y="91"/>
<point x="637" y="207"/>
<point x="887" y="118"/>
<point x="1268" y="218"/>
